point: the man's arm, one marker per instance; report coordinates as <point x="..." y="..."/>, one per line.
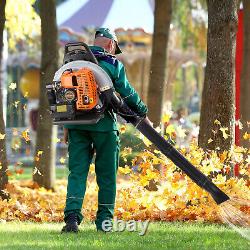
<point x="127" y="92"/>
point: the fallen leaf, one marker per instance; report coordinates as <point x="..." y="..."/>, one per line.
<point x="9" y="173"/>
<point x="19" y="171"/>
<point x="238" y="123"/>
<point x="37" y="158"/>
<point x="62" y="160"/>
<point x="40" y="152"/>
<point x="181" y="133"/>
<point x="166" y="117"/>
<point x="13" y="86"/>
<point x="210" y="140"/>
<point x="58" y="140"/>
<point x="170" y="129"/>
<point x="16" y="103"/>
<point x="122" y="129"/>
<point x="217" y="122"/>
<point x="223" y="130"/>
<point x="36" y="170"/>
<point x="2" y="136"/>
<point x="25" y="135"/>
<point x="246" y="136"/>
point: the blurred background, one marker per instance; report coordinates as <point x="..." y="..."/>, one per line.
<point x="134" y="23"/>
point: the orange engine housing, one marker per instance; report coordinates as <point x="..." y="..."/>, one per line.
<point x="84" y="82"/>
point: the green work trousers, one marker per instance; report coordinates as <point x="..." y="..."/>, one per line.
<point x="81" y="148"/>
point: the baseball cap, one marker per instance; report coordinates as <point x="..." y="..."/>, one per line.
<point x="105" y="32"/>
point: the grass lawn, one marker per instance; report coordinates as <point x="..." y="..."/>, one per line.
<point x="61" y="173"/>
<point x="15" y="235"/>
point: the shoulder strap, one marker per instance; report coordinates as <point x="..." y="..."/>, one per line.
<point x="106" y="57"/>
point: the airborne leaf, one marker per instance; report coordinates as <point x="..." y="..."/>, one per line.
<point x="13" y="86"/>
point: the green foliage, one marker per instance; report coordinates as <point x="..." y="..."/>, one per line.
<point x="22" y="22"/>
<point x="129" y="139"/>
<point x="188" y="18"/>
<point x="182" y="94"/>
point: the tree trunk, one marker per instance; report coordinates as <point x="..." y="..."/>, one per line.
<point x="45" y="176"/>
<point x="3" y="156"/>
<point x="158" y="68"/>
<point x="245" y="74"/>
<point x="218" y="91"/>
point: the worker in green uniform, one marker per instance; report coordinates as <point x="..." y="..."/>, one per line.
<point x="101" y="138"/>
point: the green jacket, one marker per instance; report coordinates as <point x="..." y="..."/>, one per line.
<point x="116" y="71"/>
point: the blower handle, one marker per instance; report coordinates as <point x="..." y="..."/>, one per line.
<point x="121" y="108"/>
<point x="80" y="46"/>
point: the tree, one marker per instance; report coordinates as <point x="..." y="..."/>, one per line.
<point x="217" y="108"/>
<point x="3" y="156"/>
<point x="245" y="73"/>
<point x="28" y="28"/>
<point x="158" y="68"/>
<point x="44" y="173"/>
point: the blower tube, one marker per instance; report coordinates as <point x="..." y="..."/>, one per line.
<point x="168" y="150"/>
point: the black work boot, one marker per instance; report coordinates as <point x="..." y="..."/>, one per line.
<point x="71" y="224"/>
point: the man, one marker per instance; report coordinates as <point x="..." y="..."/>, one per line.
<point x="101" y="137"/>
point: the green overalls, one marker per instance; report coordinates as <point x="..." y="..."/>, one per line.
<point x="103" y="138"/>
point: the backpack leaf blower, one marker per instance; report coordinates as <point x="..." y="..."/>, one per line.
<point x="82" y="91"/>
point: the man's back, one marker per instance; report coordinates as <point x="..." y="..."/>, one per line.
<point x="116" y="71"/>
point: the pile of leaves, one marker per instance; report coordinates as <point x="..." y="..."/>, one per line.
<point x="151" y="188"/>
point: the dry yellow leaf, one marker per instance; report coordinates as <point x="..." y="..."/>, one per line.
<point x="166" y="117"/>
<point x="25" y="135"/>
<point x="246" y="136"/>
<point x="125" y="170"/>
<point x="181" y="133"/>
<point x="122" y="129"/>
<point x="210" y="140"/>
<point x="62" y="160"/>
<point x="217" y="122"/>
<point x="36" y="171"/>
<point x="40" y="152"/>
<point x="2" y="136"/>
<point x="26" y="94"/>
<point x="170" y="129"/>
<point x="16" y="103"/>
<point x="13" y="86"/>
<point x="224" y="133"/>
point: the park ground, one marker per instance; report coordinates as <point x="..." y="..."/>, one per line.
<point x="177" y="235"/>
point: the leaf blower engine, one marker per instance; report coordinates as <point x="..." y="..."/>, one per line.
<point x="81" y="92"/>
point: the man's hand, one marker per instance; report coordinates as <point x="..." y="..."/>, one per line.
<point x="65" y="135"/>
<point x="148" y="121"/>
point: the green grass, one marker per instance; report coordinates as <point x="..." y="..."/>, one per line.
<point x="16" y="235"/>
<point x="61" y="173"/>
